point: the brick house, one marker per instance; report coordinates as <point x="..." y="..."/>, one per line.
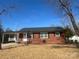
<point x="40" y="35"/>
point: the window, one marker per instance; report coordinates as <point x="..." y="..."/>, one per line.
<point x="30" y="35"/>
<point x="11" y="35"/>
<point x="43" y="35"/>
<point x="25" y="35"/>
<point x="57" y="34"/>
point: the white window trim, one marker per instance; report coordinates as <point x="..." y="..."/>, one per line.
<point x="43" y="36"/>
<point x="57" y="35"/>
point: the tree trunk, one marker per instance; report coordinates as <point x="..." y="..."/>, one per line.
<point x="0" y="44"/>
<point x="74" y="23"/>
<point x="68" y="11"/>
<point x="0" y="39"/>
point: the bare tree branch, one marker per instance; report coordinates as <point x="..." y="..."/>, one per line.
<point x="66" y="7"/>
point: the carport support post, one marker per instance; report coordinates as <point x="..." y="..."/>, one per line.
<point x="1" y="41"/>
<point x="3" y="38"/>
<point x="17" y="37"/>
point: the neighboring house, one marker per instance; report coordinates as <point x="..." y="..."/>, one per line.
<point x="39" y="35"/>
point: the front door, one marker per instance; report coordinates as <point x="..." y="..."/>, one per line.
<point x="20" y="37"/>
<point x="29" y="37"/>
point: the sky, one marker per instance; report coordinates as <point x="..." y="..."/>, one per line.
<point x="28" y="13"/>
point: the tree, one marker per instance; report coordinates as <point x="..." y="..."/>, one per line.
<point x="1" y="31"/>
<point x="66" y="6"/>
<point x="68" y="32"/>
<point x="8" y="30"/>
<point x="2" y="11"/>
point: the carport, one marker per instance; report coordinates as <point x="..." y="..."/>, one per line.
<point x="10" y="37"/>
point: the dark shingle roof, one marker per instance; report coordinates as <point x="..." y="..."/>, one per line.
<point x="39" y="29"/>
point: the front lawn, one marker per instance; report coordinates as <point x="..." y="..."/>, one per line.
<point x="39" y="52"/>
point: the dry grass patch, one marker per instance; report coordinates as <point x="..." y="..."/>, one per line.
<point x="39" y="52"/>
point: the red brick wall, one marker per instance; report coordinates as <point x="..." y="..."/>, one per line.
<point x="51" y="39"/>
<point x="36" y="38"/>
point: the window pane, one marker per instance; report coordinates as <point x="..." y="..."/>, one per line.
<point x="57" y="34"/>
<point x="43" y="35"/>
<point x="11" y="35"/>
